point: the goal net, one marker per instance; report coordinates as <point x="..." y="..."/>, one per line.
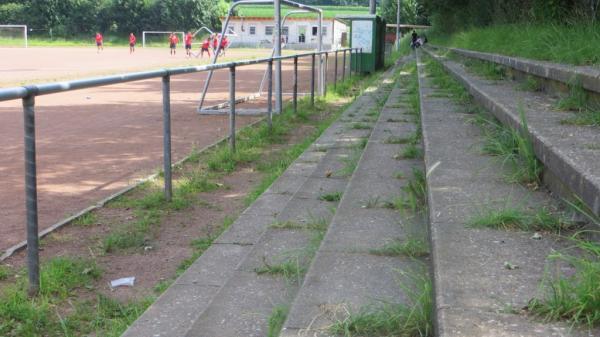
<point x="159" y="38"/>
<point x="13" y="35"/>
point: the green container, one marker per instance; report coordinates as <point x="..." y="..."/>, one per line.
<point x="366" y="32"/>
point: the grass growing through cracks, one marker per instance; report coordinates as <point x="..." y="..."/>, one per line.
<point x="574" y="297"/>
<point x="513" y="218"/>
<point x="390" y="319"/>
<point x="295" y="264"/>
<point x="335" y="196"/>
<point x="276" y="320"/>
<point x="489" y="70"/>
<point x="414" y="196"/>
<point x="411" y="247"/>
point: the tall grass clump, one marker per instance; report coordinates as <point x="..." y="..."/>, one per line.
<point x="390" y="319"/>
<point x="577" y="44"/>
<point x="573" y="297"/>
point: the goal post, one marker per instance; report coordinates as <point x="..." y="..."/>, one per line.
<point x="14" y="32"/>
<point x="154" y="32"/>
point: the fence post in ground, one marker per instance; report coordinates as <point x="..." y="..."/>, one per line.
<point x="360" y="63"/>
<point x="166" y="92"/>
<point x="325" y="77"/>
<point x="344" y="67"/>
<point x="295" y="98"/>
<point x="232" y="107"/>
<point x="335" y="70"/>
<point x="312" y="82"/>
<point x="33" y="257"/>
<point x="270" y="95"/>
<point x="350" y="68"/>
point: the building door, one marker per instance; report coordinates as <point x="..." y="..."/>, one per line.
<point x="301" y="34"/>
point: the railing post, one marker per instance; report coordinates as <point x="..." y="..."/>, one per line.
<point x="335" y="70"/>
<point x="270" y="95"/>
<point x="360" y="66"/>
<point x="312" y="82"/>
<point x="326" y="71"/>
<point x="350" y="70"/>
<point x="166" y="92"/>
<point x="344" y="67"/>
<point x="33" y="257"/>
<point x="295" y="98"/>
<point x="232" y="107"/>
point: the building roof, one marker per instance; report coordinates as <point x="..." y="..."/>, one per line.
<point x="261" y="18"/>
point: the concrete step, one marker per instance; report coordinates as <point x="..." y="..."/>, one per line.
<point x="345" y="276"/>
<point x="588" y="76"/>
<point x="568" y="152"/>
<point x="228" y="291"/>
<point x="475" y="292"/>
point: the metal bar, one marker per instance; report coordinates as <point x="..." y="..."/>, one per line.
<point x="344" y="67"/>
<point x="166" y="92"/>
<point x="351" y="58"/>
<point x="295" y="99"/>
<point x="50" y="88"/>
<point x="398" y="26"/>
<point x="326" y="70"/>
<point x="270" y="94"/>
<point x="312" y="81"/>
<point x="232" y="107"/>
<point x="277" y="42"/>
<point x="33" y="256"/>
<point x="335" y="70"/>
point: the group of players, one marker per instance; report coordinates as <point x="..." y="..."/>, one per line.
<point x="174" y="40"/>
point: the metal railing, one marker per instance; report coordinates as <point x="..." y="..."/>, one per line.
<point x="28" y="94"/>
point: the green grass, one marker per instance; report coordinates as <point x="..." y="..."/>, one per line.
<point x="329" y="12"/>
<point x="577" y="43"/>
<point x="414" y="194"/>
<point x="86" y="219"/>
<point x="447" y="85"/>
<point x="514" y="147"/>
<point x="351" y="162"/>
<point x="586" y="112"/>
<point x="276" y="320"/>
<point x="572" y="297"/>
<point x="336" y="196"/>
<point x="4" y="272"/>
<point x="489" y="70"/>
<point x="390" y="319"/>
<point x="411" y="247"/>
<point x="200" y="245"/>
<point x="514" y="218"/>
<point x="531" y="83"/>
<point x="360" y="126"/>
<point x="400" y="140"/>
<point x="410" y="151"/>
<point x="61" y="279"/>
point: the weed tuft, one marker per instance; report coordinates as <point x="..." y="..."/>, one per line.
<point x="276" y="320"/>
<point x="411" y="247"/>
<point x="512" y="218"/>
<point x="335" y="196"/>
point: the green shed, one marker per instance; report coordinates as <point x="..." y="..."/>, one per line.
<point x="367" y="32"/>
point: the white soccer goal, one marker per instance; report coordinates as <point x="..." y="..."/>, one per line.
<point x="144" y="33"/>
<point x="14" y="32"/>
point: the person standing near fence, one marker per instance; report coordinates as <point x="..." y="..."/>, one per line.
<point x="132" y="41"/>
<point x="99" y="42"/>
<point x="224" y="43"/>
<point x="173" y="40"/>
<point x="188" y="44"/>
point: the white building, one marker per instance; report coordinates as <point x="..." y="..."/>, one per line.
<point x="298" y="33"/>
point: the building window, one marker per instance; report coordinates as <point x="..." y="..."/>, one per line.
<point x="231" y="29"/>
<point x="315" y="29"/>
<point x="324" y="30"/>
<point x="285" y="31"/>
<point x="252" y="30"/>
<point x="269" y="30"/>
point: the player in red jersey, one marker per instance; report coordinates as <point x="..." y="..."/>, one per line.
<point x="99" y="41"/>
<point x="188" y="44"/>
<point x="224" y="44"/>
<point x="173" y="40"/>
<point x="205" y="47"/>
<point x="215" y="42"/>
<point x="132" y="40"/>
